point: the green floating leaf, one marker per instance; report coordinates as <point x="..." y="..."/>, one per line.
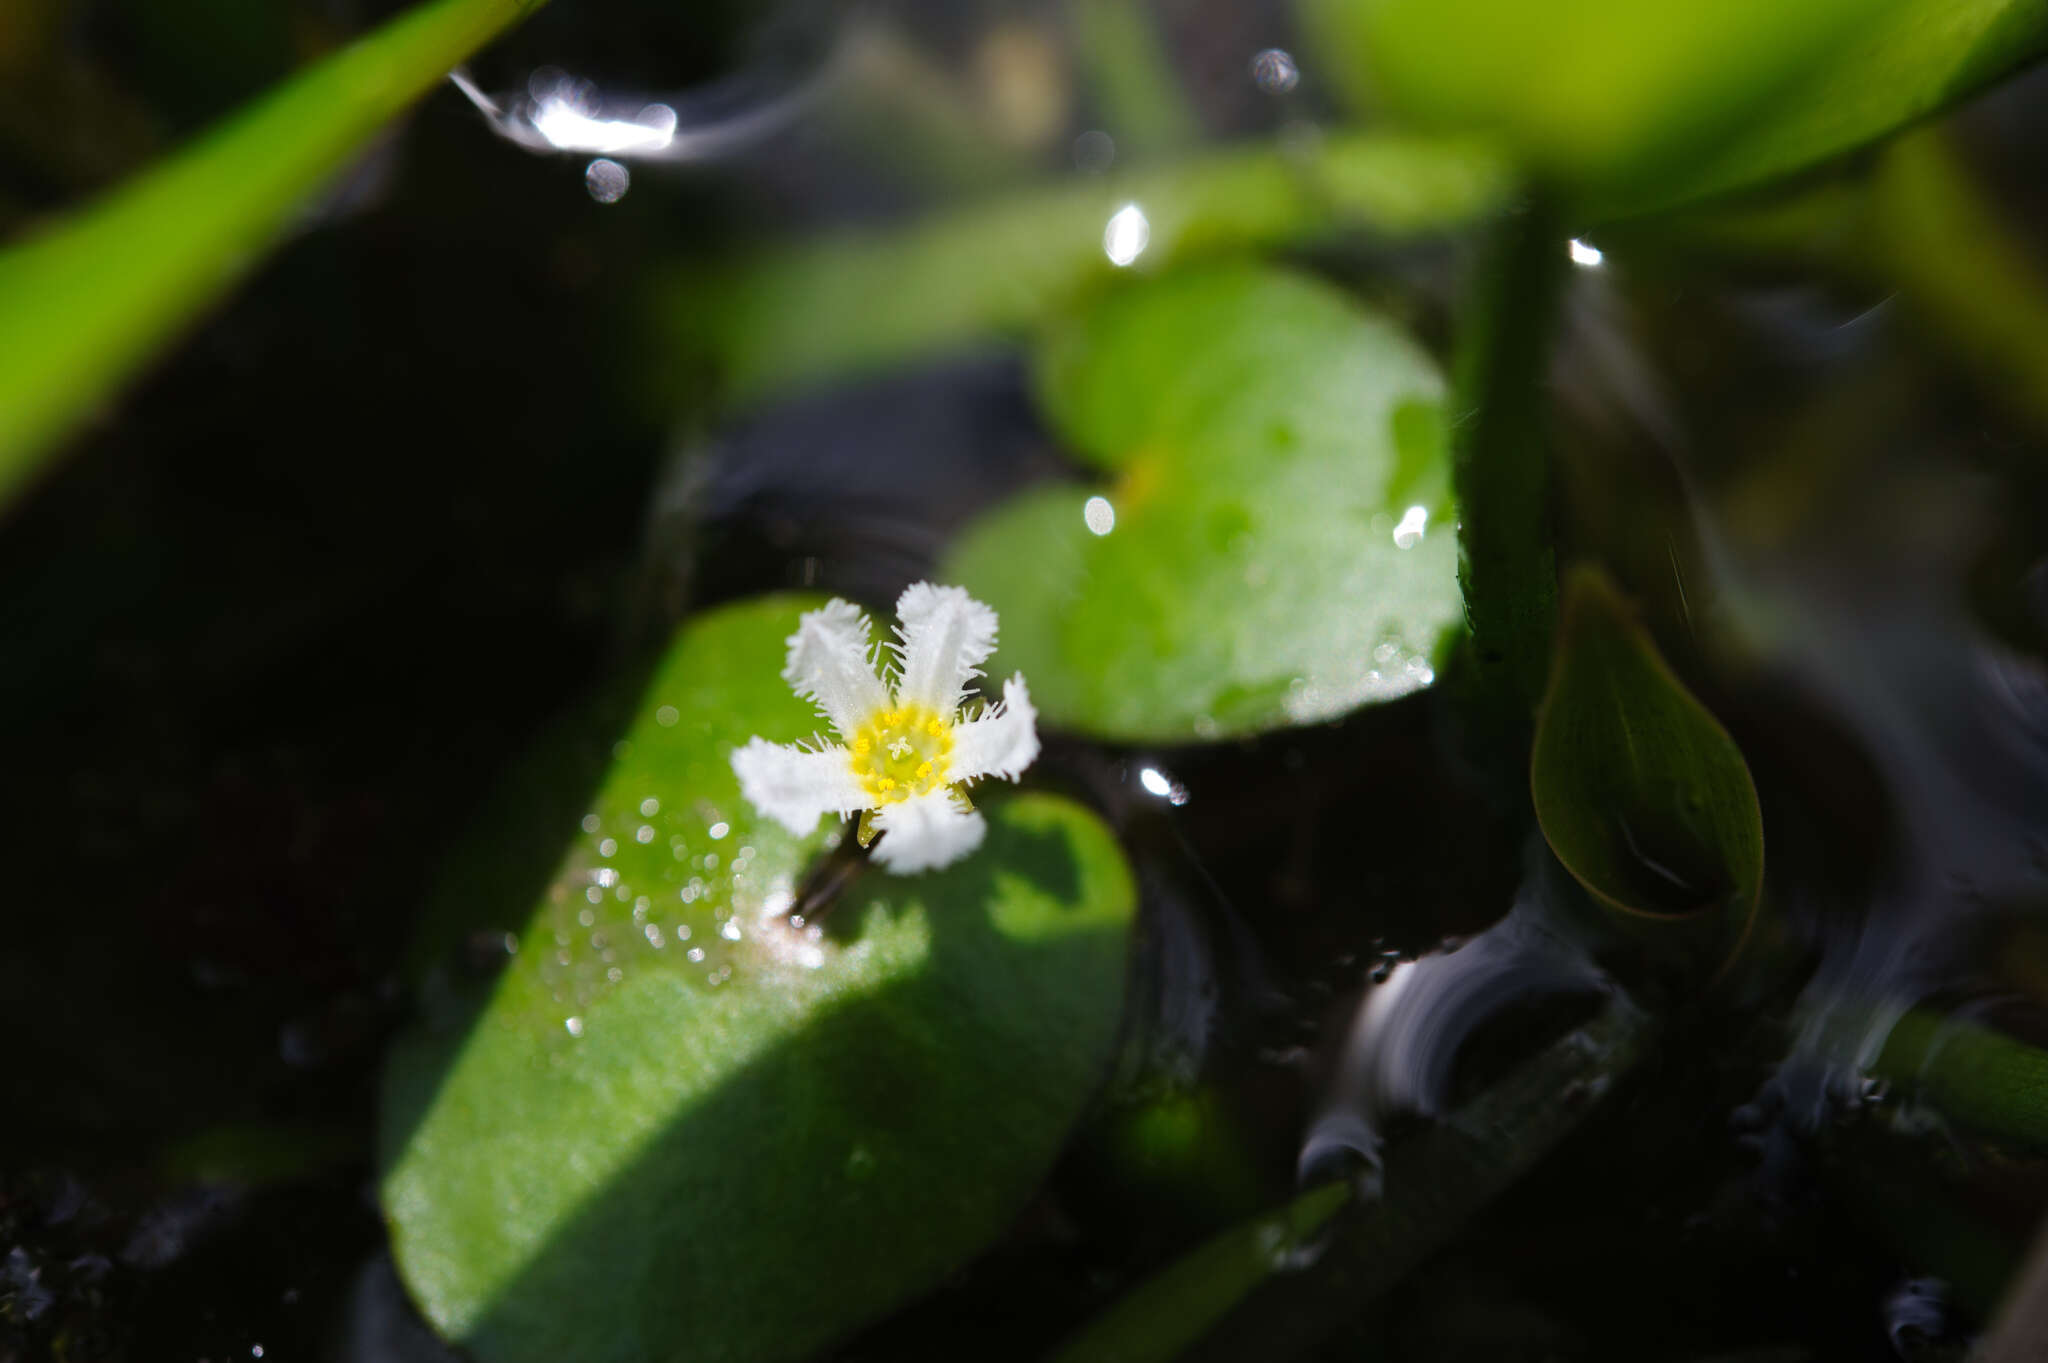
<point x="1591" y="92"/>
<point x="85" y="303"/>
<point x="859" y="301"/>
<point x="683" y="1127"/>
<point x="1275" y="546"/>
<point x="1641" y="793"/>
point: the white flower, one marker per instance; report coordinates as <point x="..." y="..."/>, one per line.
<point x="909" y="750"/>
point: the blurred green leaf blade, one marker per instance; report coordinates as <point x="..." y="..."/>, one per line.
<point x="1274" y="548"/>
<point x="856" y="302"/>
<point x="1910" y="60"/>
<point x="1640" y="792"/>
<point x="86" y="302"/>
<point x="677" y="1108"/>
<point x="1638" y="107"/>
<point x="1585" y="91"/>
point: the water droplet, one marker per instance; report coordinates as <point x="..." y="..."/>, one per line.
<point x="1274" y="71"/>
<point x="1094" y="152"/>
<point x="609" y="847"/>
<point x="591" y="823"/>
<point x="666" y="717"/>
<point x="649" y="807"/>
<point x="1099" y="516"/>
<point x="607" y="180"/>
<point x="719" y="830"/>
<point x="695" y="954"/>
<point x="574" y="1026"/>
<point x="644" y="833"/>
<point x="731" y="931"/>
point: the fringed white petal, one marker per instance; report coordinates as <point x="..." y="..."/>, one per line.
<point x="947" y="636"/>
<point x="829" y="665"/>
<point x="1002" y="742"/>
<point x="793" y="786"/>
<point x="926" y="832"/>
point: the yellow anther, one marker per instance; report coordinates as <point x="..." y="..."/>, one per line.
<point x="886" y="784"/>
<point x="935" y="728"/>
<point x="924" y="769"/>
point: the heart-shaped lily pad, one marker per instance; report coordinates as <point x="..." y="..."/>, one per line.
<point x="1640" y="792"/>
<point x="1274" y="546"/>
<point x="682" y="1127"/>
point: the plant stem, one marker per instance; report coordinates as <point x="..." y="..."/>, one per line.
<point x="1501" y="460"/>
<point x="1980" y="1078"/>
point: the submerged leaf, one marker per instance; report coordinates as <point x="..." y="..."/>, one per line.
<point x="683" y="1126"/>
<point x="1275" y="548"/>
<point x="1641" y="793"/>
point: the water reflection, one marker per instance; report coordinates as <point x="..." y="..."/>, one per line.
<point x="1126" y="236"/>
<point x="1099" y="515"/>
<point x="560" y="112"/>
<point x="1413" y="526"/>
<point x="1407" y="1032"/>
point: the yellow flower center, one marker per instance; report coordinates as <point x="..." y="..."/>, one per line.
<point x="903" y="752"/>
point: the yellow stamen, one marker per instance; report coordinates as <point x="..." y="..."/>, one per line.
<point x="902" y="752"/>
